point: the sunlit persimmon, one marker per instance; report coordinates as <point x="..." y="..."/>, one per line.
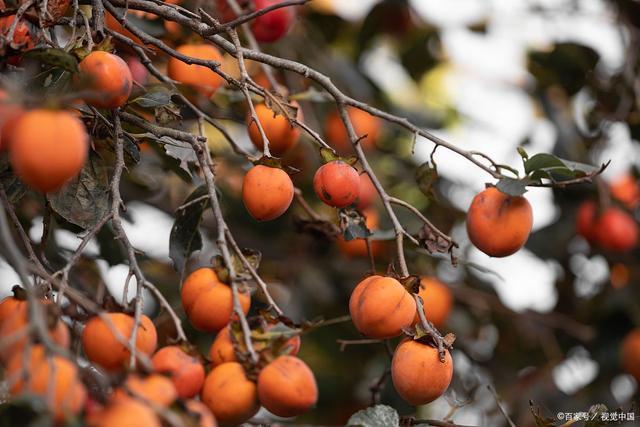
<point x="48" y="148"/>
<point x="418" y="374"/>
<point x="499" y="224"/>
<point x="229" y="394"/>
<point x="47" y="376"/>
<point x="363" y="124"/>
<point x="185" y="370"/>
<point x="381" y="307"/>
<point x="282" y="135"/>
<point x="209" y="302"/>
<point x="200" y="77"/>
<point x="337" y="184"/>
<point x="102" y="346"/>
<point x="287" y="387"/>
<point x="267" y="192"/>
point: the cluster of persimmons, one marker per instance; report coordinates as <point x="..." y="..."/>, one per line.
<point x="47" y="148"/>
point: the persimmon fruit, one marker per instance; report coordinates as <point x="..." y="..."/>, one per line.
<point x="197" y="409"/>
<point x="109" y="79"/>
<point x="273" y="25"/>
<point x="267" y="192"/>
<point x="10" y="112"/>
<point x="337" y="184"/>
<point x="103" y="348"/>
<point x="381" y="307"/>
<point x="612" y="229"/>
<point x="437" y="299"/>
<point x="48" y="148"/>
<point x="45" y="374"/>
<point x="499" y="224"/>
<point x="154" y="388"/>
<point x="14" y="318"/>
<point x="282" y="135"/>
<point x="208" y="302"/>
<point x="229" y="394"/>
<point x="363" y="124"/>
<point x="287" y="387"/>
<point x="626" y="189"/>
<point x="630" y="353"/>
<point x="186" y="371"/>
<point x="203" y="79"/>
<point x="368" y="193"/>
<point x="418" y="375"/>
<point x="357" y="248"/>
<point x="129" y="412"/>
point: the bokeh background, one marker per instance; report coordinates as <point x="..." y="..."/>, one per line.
<point x="543" y="325"/>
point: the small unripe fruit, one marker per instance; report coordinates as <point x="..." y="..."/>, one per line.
<point x="381" y="307"/>
<point x="499" y="224"/>
<point x="267" y="192"/>
<point x="287" y="387"/>
<point x="337" y="184"/>
<point x="418" y="374"/>
<point x="109" y="79"/>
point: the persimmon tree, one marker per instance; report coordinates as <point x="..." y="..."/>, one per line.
<point x="106" y="103"/>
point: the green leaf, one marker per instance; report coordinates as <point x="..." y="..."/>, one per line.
<point x="512" y="187"/>
<point x="84" y="200"/>
<point x="375" y="416"/>
<point x="544" y="165"/>
<point x="55" y="57"/>
<point x="523" y="154"/>
<point x="185" y="235"/>
<point x="157" y="96"/>
<point x="328" y="155"/>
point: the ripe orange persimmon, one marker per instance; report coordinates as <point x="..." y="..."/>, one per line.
<point x="337" y="184"/>
<point x="128" y="412"/>
<point x="202" y="78"/>
<point x="612" y="229"/>
<point x="197" y="409"/>
<point x="499" y="224"/>
<point x="44" y="375"/>
<point x="266" y="192"/>
<point x="626" y="189"/>
<point x="222" y="351"/>
<point x="154" y="388"/>
<point x="437" y="300"/>
<point x="368" y="192"/>
<point x="10" y="112"/>
<point x="186" y="371"/>
<point x="14" y="319"/>
<point x="282" y="135"/>
<point x="358" y="247"/>
<point x="209" y="302"/>
<point x="585" y="220"/>
<point x="363" y="123"/>
<point x="630" y="353"/>
<point x="287" y="387"/>
<point x="109" y="79"/>
<point x="418" y="374"/>
<point x="381" y="307"/>
<point x="103" y="348"/>
<point x="48" y="148"/>
<point x="228" y="393"/>
<point x="616" y="231"/>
